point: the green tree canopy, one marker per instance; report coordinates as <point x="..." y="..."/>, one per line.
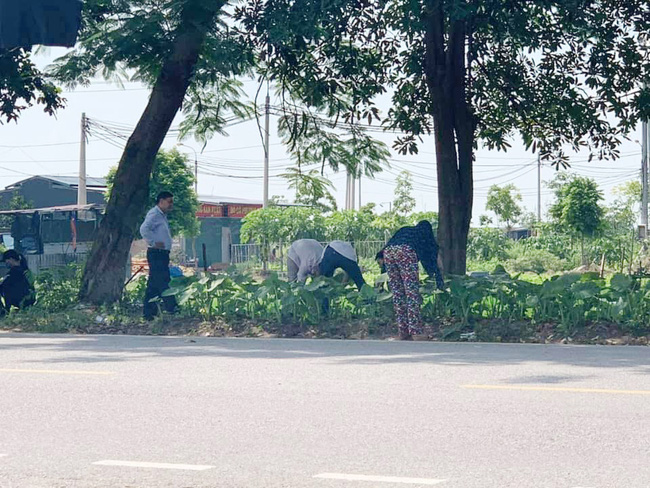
<point x="561" y="74"/>
<point x="186" y="53"/>
<point x="311" y="188"/>
<point x="23" y="85"/>
<point x="275" y="224"/>
<point x="577" y="207"/>
<point x="171" y="172"/>
<point x="16" y="202"/>
<point x="351" y="225"/>
<point x="404" y="203"/>
<point x="503" y="201"/>
<point x="622" y="215"/>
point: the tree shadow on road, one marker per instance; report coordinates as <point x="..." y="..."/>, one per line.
<point x="111" y="349"/>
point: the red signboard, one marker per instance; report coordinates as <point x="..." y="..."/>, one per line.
<point x="241" y="211"/>
<point x="210" y="210"/>
<point x="234" y="211"/>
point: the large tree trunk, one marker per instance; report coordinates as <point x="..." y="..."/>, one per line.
<point x="454" y="133"/>
<point x="105" y="270"/>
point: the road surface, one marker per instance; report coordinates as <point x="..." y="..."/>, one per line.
<point x="121" y="411"/>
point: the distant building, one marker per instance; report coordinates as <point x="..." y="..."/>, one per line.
<point x="220" y="219"/>
<point x="53" y="191"/>
<point x="53" y="236"/>
<point x="517" y="233"/>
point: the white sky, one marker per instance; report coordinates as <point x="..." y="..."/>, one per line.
<point x="40" y="144"/>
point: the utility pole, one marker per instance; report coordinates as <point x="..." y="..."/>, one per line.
<point x="81" y="186"/>
<point x="196" y="174"/>
<point x="359" y="191"/>
<point x="644" y="177"/>
<point x="267" y="110"/>
<point x="349" y="191"/>
<point x="539" y="188"/>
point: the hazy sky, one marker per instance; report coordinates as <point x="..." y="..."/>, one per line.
<point x="42" y="145"/>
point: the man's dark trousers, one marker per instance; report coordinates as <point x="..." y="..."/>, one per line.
<point x="159" y="279"/>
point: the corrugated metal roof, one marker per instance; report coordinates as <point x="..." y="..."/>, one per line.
<point x="72" y="181"/>
<point x="60" y="208"/>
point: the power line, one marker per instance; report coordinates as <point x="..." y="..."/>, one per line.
<point x="41" y="145"/>
<point x="113" y="90"/>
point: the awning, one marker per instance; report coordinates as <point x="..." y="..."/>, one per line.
<point x="25" y="23"/>
<point x="62" y="208"/>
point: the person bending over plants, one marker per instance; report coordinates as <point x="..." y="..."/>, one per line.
<point x="399" y="258"/>
<point x="308" y="258"/>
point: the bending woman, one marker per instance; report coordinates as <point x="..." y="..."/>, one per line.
<point x="400" y="259"/>
<point x="17" y="289"/>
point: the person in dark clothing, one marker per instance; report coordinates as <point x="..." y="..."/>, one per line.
<point x="155" y="230"/>
<point x="399" y="258"/>
<point x="340" y="254"/>
<point x="17" y="289"/>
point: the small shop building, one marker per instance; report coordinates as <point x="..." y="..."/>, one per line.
<point x="220" y="220"/>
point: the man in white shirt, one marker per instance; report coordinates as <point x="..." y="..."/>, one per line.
<point x="155" y="230"/>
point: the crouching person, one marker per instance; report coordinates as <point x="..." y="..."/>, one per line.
<point x="17" y="289"/>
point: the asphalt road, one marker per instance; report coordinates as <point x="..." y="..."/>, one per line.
<point x="119" y="411"/>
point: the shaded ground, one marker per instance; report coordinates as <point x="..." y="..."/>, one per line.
<point x="92" y="321"/>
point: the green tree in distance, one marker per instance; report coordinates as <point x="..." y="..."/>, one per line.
<point x="404" y="203"/>
<point x="577" y="207"/>
<point x="503" y="201"/>
<point x="311" y="188"/>
<point x="16" y="202"/>
<point x="275" y="224"/>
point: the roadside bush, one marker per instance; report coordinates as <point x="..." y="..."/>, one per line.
<point x="134" y="291"/>
<point x="496" y="306"/>
<point x="58" y="289"/>
<point x="486" y="244"/>
<point x="559" y="245"/>
<point x="537" y="261"/>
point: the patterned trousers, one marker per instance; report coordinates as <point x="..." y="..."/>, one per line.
<point x="404" y="281"/>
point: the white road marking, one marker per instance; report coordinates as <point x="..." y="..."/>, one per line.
<point x="135" y="464"/>
<point x="379" y="479"/>
<point x="56" y="371"/>
<point x="557" y="388"/>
